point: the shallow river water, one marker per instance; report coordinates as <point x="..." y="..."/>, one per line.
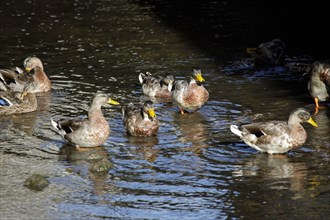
<point x="195" y="168"/>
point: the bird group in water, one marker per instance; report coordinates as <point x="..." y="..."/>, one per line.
<point x="18" y="88"/>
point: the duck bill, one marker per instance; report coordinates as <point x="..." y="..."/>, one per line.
<point x="312" y="122"/>
<point x="251" y="50"/>
<point x="113" y="102"/>
<point x="28" y="69"/>
<point x="152" y="113"/>
<point x="200" y="78"/>
<point x="23" y="94"/>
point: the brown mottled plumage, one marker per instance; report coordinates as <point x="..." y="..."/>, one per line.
<point x="190" y="96"/>
<point x="15" y="78"/>
<point x="276" y="136"/>
<point x="90" y="132"/>
<point x="319" y="83"/>
<point x="156" y="86"/>
<point x="17" y="102"/>
<point x="268" y="54"/>
<point x="140" y="120"/>
<point x="41" y="80"/>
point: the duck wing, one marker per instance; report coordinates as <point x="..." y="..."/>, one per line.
<point x="69" y="125"/>
<point x="270" y="129"/>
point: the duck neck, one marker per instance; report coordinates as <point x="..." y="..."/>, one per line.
<point x="145" y="115"/>
<point x="294" y="124"/>
<point x="40" y="74"/>
<point x="95" y="112"/>
<point x="192" y="81"/>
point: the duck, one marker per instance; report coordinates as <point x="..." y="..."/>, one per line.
<point x="268" y="54"/>
<point x="319" y="82"/>
<point x="156" y="86"/>
<point x="276" y="137"/>
<point x="192" y="95"/>
<point x="12" y="102"/>
<point x="88" y="132"/>
<point x="15" y="78"/>
<point x="140" y="119"/>
<point x="41" y="80"/>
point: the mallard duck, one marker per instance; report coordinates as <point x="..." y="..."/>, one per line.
<point x="140" y="119"/>
<point x="319" y="83"/>
<point x="12" y="102"/>
<point x="276" y="137"/>
<point x="156" y="86"/>
<point x="268" y="54"/>
<point x="15" y="78"/>
<point x="41" y="80"/>
<point x="190" y="96"/>
<point x="89" y="132"/>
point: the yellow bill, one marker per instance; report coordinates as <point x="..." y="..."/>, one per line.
<point x="23" y="94"/>
<point x="251" y="50"/>
<point x="312" y="122"/>
<point x="152" y="113"/>
<point x="200" y="78"/>
<point x="113" y="102"/>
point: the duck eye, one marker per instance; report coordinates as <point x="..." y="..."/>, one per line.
<point x="304" y="116"/>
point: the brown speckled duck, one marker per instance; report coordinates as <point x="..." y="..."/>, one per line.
<point x="12" y="102"/>
<point x="268" y="54"/>
<point x="41" y="80"/>
<point x="190" y="96"/>
<point x="90" y="132"/>
<point x="319" y="83"/>
<point x="276" y="137"/>
<point x="15" y="78"/>
<point x="156" y="86"/>
<point x="140" y="119"/>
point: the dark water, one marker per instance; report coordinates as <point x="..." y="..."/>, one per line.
<point x="195" y="168"/>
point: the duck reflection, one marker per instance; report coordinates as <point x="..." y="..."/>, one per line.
<point x="193" y="130"/>
<point x="91" y="162"/>
<point x="323" y="121"/>
<point x="145" y="146"/>
<point x="44" y="100"/>
<point x="25" y="122"/>
<point x="83" y="156"/>
<point x="278" y="171"/>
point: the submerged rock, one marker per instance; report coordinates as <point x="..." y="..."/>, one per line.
<point x="100" y="166"/>
<point x="36" y="182"/>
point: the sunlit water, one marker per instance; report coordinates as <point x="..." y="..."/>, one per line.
<point x="194" y="168"/>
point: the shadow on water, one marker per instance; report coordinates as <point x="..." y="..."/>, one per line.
<point x="224" y="29"/>
<point x="214" y="25"/>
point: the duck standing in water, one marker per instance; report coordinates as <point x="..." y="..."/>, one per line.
<point x="268" y="54"/>
<point x="90" y="132"/>
<point x="140" y="119"/>
<point x="319" y="83"/>
<point x="192" y="95"/>
<point x="276" y="137"/>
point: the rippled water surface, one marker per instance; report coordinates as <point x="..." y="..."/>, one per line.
<point x="195" y="168"/>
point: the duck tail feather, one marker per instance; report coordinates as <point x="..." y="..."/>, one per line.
<point x="235" y="130"/>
